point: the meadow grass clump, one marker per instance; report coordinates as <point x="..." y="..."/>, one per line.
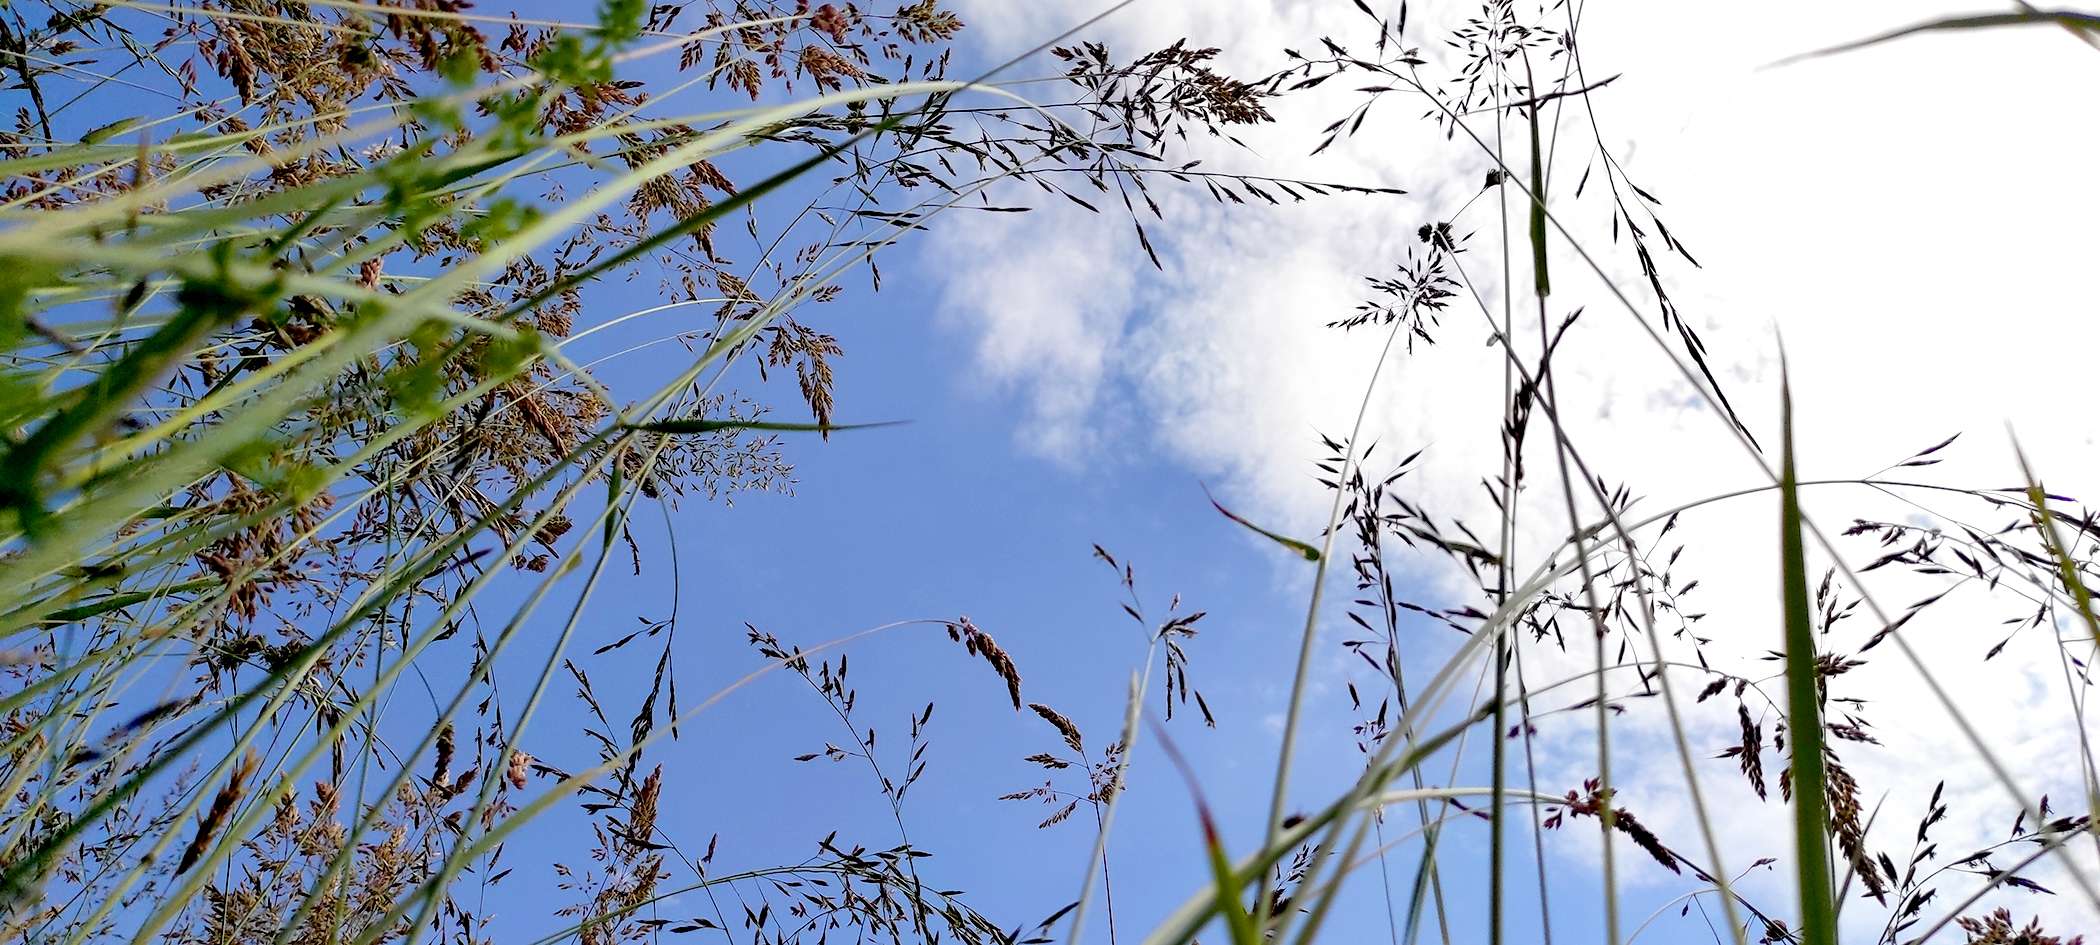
<point x="290" y="388"/>
<point x="308" y="386"/>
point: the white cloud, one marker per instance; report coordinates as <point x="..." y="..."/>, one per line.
<point x="1912" y="219"/>
<point x="1032" y="327"/>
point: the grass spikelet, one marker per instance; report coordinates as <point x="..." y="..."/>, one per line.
<point x="1063" y="725"/>
<point x="981" y="644"/>
<point x="441" y="773"/>
<point x="641" y="819"/>
<point x="214" y="819"/>
<point x="1846" y="820"/>
<point x="1752" y="749"/>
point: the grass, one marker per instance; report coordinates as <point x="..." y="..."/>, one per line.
<point x="1804" y="688"/>
<point x="295" y="422"/>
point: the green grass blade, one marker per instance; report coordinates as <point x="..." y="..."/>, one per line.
<point x="1237" y="921"/>
<point x="2066" y="567"/>
<point x="1228" y="881"/>
<point x="1541" y="281"/>
<point x="1804" y="720"/>
<point x="1304" y="550"/>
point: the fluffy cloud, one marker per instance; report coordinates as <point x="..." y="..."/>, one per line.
<point x="1910" y="220"/>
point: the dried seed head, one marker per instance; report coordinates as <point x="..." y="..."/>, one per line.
<point x="441" y="776"/>
<point x="1063" y="725"/>
<point x="1644" y="838"/>
<point x="462" y="783"/>
<point x="214" y="820"/>
<point x="828" y="20"/>
<point x="1842" y="790"/>
<point x="641" y="821"/>
<point x="1752" y="756"/>
<point x="980" y="643"/>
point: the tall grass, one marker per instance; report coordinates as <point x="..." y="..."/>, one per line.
<point x="292" y="416"/>
<point x="290" y="394"/>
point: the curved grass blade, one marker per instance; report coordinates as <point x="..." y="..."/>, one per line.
<point x="1229" y="885"/>
<point x="2069" y="19"/>
<point x="1306" y="551"/>
<point x="2066" y="566"/>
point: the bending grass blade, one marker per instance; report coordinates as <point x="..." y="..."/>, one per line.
<point x="2066" y="568"/>
<point x="2069" y="19"/>
<point x="1229" y="886"/>
<point x="1304" y="550"/>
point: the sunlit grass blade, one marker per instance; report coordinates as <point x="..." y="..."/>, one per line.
<point x="2066" y="566"/>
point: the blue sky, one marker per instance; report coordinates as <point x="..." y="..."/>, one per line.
<point x="1061" y="394"/>
<point x="953" y="514"/>
<point x="962" y="512"/>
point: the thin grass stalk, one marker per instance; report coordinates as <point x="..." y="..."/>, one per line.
<point x="1677" y="900"/>
<point x="1429" y="702"/>
<point x="1182" y="925"/>
<point x="1567" y="454"/>
<point x="1398" y="675"/>
<point x="1431" y="837"/>
<point x="384" y="681"/>
<point x="1138" y="685"/>
<point x="609" y="519"/>
<point x="1512" y="448"/>
<point x="1605" y="817"/>
<point x="1281" y="791"/>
